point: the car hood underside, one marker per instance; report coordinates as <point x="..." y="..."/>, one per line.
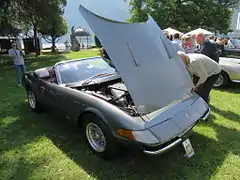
<point x="145" y="59"/>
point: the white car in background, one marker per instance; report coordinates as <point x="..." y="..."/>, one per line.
<point x="230" y="71"/>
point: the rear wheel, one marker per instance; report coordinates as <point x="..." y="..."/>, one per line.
<point x="99" y="138"/>
<point x="33" y="102"/>
<point x="222" y="80"/>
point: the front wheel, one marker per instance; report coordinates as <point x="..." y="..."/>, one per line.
<point x="100" y="138"/>
<point x="222" y="80"/>
<point x="32" y="102"/>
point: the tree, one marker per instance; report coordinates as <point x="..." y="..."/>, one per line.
<point x="185" y="15"/>
<point x="35" y="12"/>
<point x="53" y="29"/>
<point x="139" y="13"/>
<point x="9" y="24"/>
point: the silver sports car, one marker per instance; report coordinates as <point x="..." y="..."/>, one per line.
<point x="139" y="104"/>
<point x="92" y="95"/>
<point x="230" y="71"/>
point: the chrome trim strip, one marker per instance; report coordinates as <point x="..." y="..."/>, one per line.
<point x="204" y="118"/>
<point x="173" y="144"/>
<point x="236" y="81"/>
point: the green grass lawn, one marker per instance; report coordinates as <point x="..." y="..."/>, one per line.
<point x="46" y="147"/>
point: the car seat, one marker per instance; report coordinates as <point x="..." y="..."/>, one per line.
<point x="52" y="73"/>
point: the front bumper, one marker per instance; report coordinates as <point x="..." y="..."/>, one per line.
<point x="169" y="144"/>
<point x="176" y="141"/>
<point x="163" y="149"/>
<point x="166" y="146"/>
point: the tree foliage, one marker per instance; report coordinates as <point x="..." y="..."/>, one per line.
<point x="35" y="12"/>
<point x="17" y="16"/>
<point x="52" y="29"/>
<point x="185" y="15"/>
<point x="9" y="24"/>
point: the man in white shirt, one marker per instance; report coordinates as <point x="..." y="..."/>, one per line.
<point x="17" y="55"/>
<point x="206" y="69"/>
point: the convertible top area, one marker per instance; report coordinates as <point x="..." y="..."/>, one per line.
<point x="43" y="72"/>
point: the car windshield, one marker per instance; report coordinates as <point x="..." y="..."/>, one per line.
<point x="80" y="70"/>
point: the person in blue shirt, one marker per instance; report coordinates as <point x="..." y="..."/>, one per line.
<point x="177" y="42"/>
<point x="18" y="61"/>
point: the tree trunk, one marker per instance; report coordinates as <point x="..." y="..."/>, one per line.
<point x="37" y="48"/>
<point x="53" y="45"/>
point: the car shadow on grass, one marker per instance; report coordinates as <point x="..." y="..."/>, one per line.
<point x="210" y="153"/>
<point x="226" y="114"/>
<point x="231" y="87"/>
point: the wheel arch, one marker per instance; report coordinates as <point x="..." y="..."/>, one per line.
<point x="80" y="119"/>
<point x="223" y="71"/>
<point x="225" y="81"/>
<point x="27" y="87"/>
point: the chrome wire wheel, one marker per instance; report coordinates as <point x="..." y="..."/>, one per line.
<point x="95" y="137"/>
<point x="31" y="100"/>
<point x="219" y="81"/>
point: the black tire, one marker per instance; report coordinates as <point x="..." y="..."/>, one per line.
<point x="33" y="102"/>
<point x="111" y="149"/>
<point x="222" y="81"/>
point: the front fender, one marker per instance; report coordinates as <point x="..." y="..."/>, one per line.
<point x="26" y="81"/>
<point x="114" y="117"/>
<point x="232" y="70"/>
<point x="96" y="112"/>
<point x="110" y="114"/>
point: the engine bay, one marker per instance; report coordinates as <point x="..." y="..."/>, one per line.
<point x="114" y="92"/>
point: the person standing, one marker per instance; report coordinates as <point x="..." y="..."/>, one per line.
<point x="208" y="48"/>
<point x="206" y="69"/>
<point x="18" y="61"/>
<point x="67" y="46"/>
<point x="220" y="42"/>
<point x="106" y="58"/>
<point x="188" y="44"/>
<point x="177" y="42"/>
<point x="212" y="39"/>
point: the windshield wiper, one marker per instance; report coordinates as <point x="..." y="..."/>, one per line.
<point x="87" y="81"/>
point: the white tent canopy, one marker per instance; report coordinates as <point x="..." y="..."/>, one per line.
<point x="200" y="30"/>
<point x="172" y="31"/>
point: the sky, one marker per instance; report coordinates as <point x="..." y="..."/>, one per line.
<point x="111" y="9"/>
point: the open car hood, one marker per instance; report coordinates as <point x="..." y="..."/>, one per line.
<point x="145" y="59"/>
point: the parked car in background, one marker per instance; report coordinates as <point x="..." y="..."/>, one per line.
<point x="230" y="71"/>
<point x="232" y="48"/>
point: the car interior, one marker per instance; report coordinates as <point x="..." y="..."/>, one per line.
<point x="47" y="74"/>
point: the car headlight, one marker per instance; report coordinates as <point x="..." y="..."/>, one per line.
<point x="145" y="136"/>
